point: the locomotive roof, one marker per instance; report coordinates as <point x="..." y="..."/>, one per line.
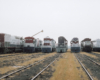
<point x="29" y="37"/>
<point x="86" y="39"/>
<point x="62" y="37"/>
<point x="96" y="40"/>
<point x="75" y="39"/>
<point x="48" y="38"/>
<point x="17" y="37"/>
<point x="2" y="33"/>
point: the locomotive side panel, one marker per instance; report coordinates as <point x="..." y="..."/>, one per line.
<point x="38" y="45"/>
<point x="96" y="45"/>
<point x="53" y="45"/>
<point x="10" y="43"/>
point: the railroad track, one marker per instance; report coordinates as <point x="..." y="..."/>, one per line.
<point x="19" y="59"/>
<point x="25" y="67"/>
<point x="37" y="75"/>
<point x="19" y="70"/>
<point x="93" y="61"/>
<point x="84" y="68"/>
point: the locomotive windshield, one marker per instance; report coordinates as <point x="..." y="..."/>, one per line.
<point x="88" y="42"/>
<point x="61" y="41"/>
<point x="75" y="39"/>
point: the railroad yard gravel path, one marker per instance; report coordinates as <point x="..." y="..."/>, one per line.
<point x="66" y="67"/>
<point x="93" y="69"/>
<point x="32" y="71"/>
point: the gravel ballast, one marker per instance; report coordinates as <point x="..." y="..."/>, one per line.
<point x="18" y="59"/>
<point x="32" y="71"/>
<point x="93" y="69"/>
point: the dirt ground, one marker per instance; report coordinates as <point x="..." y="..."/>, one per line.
<point x="68" y="68"/>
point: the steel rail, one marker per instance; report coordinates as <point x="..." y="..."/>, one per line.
<point x="84" y="68"/>
<point x="20" y="69"/>
<point x="94" y="62"/>
<point x="44" y="69"/>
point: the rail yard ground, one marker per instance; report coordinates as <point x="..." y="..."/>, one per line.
<point x="9" y="63"/>
<point x="65" y="66"/>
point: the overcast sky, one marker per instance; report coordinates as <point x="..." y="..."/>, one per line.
<point x="68" y="18"/>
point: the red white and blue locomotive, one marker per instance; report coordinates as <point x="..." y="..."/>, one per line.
<point x="32" y="45"/>
<point x="75" y="47"/>
<point x="49" y="45"/>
